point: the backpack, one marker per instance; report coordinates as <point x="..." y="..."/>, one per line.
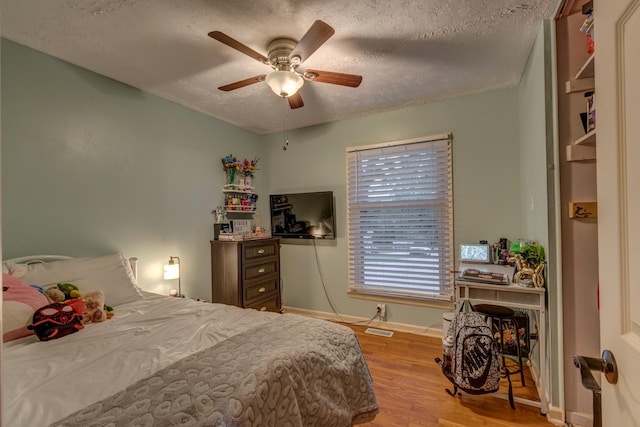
<point x="475" y="363"/>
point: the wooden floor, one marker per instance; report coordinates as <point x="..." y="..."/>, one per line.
<point x="410" y="388"/>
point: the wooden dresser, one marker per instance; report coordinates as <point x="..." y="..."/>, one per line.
<point x="246" y="274"/>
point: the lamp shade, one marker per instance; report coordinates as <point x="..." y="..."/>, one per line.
<point x="284" y="83"/>
<point x="171" y="271"/>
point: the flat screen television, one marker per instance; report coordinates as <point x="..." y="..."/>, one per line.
<point x="303" y="215"/>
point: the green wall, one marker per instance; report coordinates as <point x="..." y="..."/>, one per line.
<point x="91" y="166"/>
<point x="486" y="189"/>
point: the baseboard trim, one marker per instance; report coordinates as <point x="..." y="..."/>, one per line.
<point x="392" y="326"/>
<point x="579" y="419"/>
<point x="555" y="416"/>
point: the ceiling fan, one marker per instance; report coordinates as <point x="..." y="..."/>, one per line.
<point x="285" y="55"/>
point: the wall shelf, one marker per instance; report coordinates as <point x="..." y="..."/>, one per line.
<point x="239" y="199"/>
<point x="232" y="188"/>
<point x="582" y="85"/>
<point x="589" y="138"/>
<point x="240" y="209"/>
<point x="577" y="153"/>
<point x="588" y="69"/>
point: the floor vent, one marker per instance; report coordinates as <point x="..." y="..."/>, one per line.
<point x="380" y="332"/>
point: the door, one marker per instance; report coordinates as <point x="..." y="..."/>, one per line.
<point x="617" y="68"/>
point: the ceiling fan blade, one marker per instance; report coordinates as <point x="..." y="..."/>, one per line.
<point x="319" y="33"/>
<point x="243" y="83"/>
<point x="235" y="44"/>
<point x="341" y="79"/>
<point x="295" y="101"/>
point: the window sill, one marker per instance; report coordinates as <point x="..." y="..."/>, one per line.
<point x="407" y="301"/>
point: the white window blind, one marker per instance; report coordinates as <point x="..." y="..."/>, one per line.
<point x="400" y="219"/>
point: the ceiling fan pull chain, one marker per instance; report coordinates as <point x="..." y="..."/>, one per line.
<point x="284" y="125"/>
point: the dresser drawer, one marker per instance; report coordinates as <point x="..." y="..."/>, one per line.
<point x="269" y="304"/>
<point x="254" y="251"/>
<point x="260" y="290"/>
<point x="259" y="271"/>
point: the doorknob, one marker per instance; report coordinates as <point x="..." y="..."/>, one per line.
<point x="607" y="365"/>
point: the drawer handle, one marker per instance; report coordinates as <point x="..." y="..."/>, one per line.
<point x="261" y="270"/>
<point x="260" y="251"/>
<point x="261" y="290"/>
<point x="263" y="308"/>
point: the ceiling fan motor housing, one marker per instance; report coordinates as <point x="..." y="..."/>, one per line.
<point x="279" y="51"/>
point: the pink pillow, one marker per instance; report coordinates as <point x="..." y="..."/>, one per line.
<point x="19" y="302"/>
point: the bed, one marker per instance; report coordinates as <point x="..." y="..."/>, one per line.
<point x="173" y="361"/>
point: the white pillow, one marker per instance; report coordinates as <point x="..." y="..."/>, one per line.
<point x="111" y="274"/>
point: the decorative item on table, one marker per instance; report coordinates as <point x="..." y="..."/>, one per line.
<point x="240" y="202"/>
<point x="256" y="235"/>
<point x="239" y="172"/>
<point x="483" y="276"/>
<point x="231" y="237"/>
<point x="231" y="166"/>
<point x="220" y="214"/>
<point x="257" y="232"/>
<point x="248" y="170"/>
<point x="241" y="226"/>
<point x="529" y="261"/>
<point x="500" y="251"/>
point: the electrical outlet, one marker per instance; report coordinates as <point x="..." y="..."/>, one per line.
<point x="382" y="310"/>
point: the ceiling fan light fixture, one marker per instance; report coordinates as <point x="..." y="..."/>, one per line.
<point x="284" y="83"/>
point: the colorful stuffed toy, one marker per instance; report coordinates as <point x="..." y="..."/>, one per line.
<point x="55" y="294"/>
<point x="62" y="292"/>
<point x="19" y="302"/>
<point x="70" y="290"/>
<point x="55" y="321"/>
<point x="94" y="310"/>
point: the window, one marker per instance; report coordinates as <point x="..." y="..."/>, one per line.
<point x="400" y="219"/>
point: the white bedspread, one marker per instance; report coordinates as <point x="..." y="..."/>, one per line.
<point x="75" y="372"/>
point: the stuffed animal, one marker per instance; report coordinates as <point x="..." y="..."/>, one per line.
<point x="94" y="307"/>
<point x="77" y="304"/>
<point x="70" y="290"/>
<point x="54" y="294"/>
<point x="55" y="321"/>
<point x="19" y="302"/>
<point x="62" y="292"/>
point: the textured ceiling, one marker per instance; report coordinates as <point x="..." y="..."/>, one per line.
<point x="408" y="51"/>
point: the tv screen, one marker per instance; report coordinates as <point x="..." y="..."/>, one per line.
<point x="303" y="215"/>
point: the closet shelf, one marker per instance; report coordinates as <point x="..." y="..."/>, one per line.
<point x="582" y="85"/>
<point x="589" y="138"/>
<point x="588" y="69"/>
<point x="576" y="153"/>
